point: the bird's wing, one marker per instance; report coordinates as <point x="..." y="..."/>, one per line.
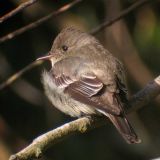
<point x="88" y="90"/>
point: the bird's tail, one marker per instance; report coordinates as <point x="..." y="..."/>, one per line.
<point x="124" y="128"/>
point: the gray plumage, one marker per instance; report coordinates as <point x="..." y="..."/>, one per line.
<point x="86" y="79"/>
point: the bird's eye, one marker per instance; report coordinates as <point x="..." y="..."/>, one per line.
<point x="65" y="48"/>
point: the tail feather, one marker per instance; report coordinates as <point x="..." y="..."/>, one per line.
<point x="124" y="128"/>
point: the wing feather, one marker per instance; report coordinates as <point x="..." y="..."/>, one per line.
<point x="86" y="90"/>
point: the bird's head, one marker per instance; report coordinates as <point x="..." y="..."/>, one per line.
<point x="67" y="43"/>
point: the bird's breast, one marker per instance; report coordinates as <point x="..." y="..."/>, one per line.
<point x="63" y="101"/>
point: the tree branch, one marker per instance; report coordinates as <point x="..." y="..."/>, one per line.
<point x="145" y="95"/>
<point x="82" y="125"/>
<point x="17" y="10"/>
<point x="15" y="76"/>
<point x="120" y="16"/>
<point x="38" y="22"/>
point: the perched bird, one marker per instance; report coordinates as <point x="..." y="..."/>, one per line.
<point x="86" y="79"/>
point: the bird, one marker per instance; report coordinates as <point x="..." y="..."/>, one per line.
<point x="86" y="79"/>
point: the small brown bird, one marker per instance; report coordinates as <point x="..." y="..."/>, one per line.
<point x="85" y="79"/>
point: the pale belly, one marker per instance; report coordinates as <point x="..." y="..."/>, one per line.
<point x="63" y="101"/>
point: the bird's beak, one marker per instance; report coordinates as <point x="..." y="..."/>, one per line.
<point x="47" y="57"/>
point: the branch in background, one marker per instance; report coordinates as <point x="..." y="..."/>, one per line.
<point x="82" y="125"/>
<point x="15" y="76"/>
<point x="120" y="15"/>
<point x="38" y="22"/>
<point x="17" y="10"/>
<point x="94" y="31"/>
<point x="144" y="96"/>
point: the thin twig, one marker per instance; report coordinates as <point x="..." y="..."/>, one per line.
<point x="17" y="10"/>
<point x="38" y="22"/>
<point x="15" y="76"/>
<point x="120" y="15"/>
<point x="82" y="125"/>
<point x="94" y="31"/>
